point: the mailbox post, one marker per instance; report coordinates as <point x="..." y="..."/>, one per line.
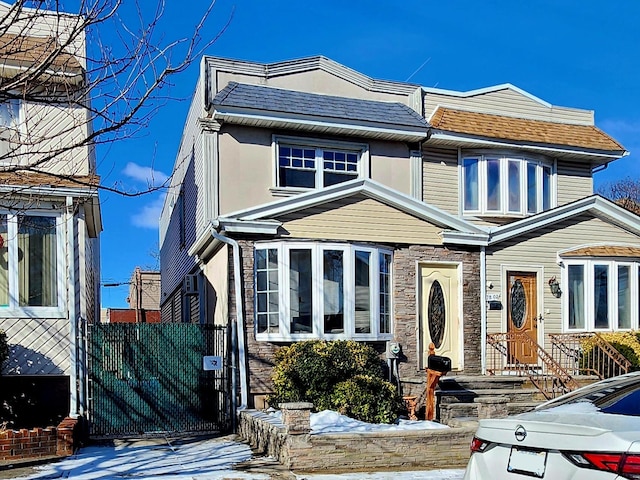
<point x="437" y="366"/>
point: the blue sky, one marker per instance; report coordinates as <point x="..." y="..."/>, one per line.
<point x="583" y="54"/>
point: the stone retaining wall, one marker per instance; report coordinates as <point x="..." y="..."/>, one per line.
<point x="357" y="451"/>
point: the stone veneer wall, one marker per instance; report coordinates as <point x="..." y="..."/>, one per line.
<point x="356" y="451"/>
<point x="406" y="261"/>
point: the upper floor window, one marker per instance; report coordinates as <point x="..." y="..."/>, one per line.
<point x="600" y="294"/>
<point x="9" y="122"/>
<point x="308" y="163"/>
<point x="30" y="266"/>
<point x="311" y="290"/>
<point x="506" y="185"/>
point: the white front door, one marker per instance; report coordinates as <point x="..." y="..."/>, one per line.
<point x="440" y="320"/>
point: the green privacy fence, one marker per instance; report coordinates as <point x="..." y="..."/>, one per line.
<point x="150" y="378"/>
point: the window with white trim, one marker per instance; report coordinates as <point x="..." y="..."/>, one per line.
<point x="307" y="164"/>
<point x="322" y="290"/>
<point x="9" y="125"/>
<point x="505" y="185"/>
<point x="31" y="280"/>
<point x="601" y="294"/>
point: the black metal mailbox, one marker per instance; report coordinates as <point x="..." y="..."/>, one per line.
<point x="439" y="363"/>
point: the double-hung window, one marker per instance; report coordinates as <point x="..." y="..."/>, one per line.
<point x="505" y="185"/>
<point x="9" y="124"/>
<point x="601" y="294"/>
<point x="30" y="265"/>
<point x="312" y="290"/>
<point x="309" y="164"/>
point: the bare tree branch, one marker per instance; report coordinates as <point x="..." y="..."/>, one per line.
<point x="625" y="192"/>
<point x="85" y="79"/>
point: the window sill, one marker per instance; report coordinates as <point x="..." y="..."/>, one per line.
<point x="262" y="337"/>
<point x="288" y="192"/>
<point x="33" y="312"/>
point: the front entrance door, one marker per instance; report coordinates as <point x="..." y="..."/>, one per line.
<point x="522" y="309"/>
<point x="440" y="312"/>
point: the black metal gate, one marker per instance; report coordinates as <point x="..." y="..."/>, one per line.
<point x="150" y="378"/>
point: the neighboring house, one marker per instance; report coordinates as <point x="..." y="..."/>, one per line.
<point x="49" y="219"/>
<point x="143" y="300"/>
<point x="312" y="202"/>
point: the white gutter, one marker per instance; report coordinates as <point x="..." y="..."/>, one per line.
<point x="71" y="303"/>
<point x="239" y="324"/>
<point x="483" y="309"/>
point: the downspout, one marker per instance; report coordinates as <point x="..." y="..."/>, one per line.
<point x="71" y="303"/>
<point x="238" y="325"/>
<point x="483" y="309"/>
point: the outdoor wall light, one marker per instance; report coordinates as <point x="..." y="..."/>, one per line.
<point x="554" y="285"/>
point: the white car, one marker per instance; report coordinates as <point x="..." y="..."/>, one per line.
<point x="592" y="433"/>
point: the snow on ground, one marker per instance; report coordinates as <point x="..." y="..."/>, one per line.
<point x="211" y="459"/>
<point x="214" y="459"/>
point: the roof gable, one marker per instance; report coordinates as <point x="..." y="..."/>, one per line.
<point x="596" y="205"/>
<point x="365" y="188"/>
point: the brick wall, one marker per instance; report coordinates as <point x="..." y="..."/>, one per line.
<point x="38" y="442"/>
<point x="356" y="451"/>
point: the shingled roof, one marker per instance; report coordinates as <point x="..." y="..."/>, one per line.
<point x="523" y="130"/>
<point x="25" y="51"/>
<point x="277" y="100"/>
<point x="604" y="251"/>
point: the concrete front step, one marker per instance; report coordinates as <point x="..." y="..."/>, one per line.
<point x="463" y="382"/>
<point x="512" y="395"/>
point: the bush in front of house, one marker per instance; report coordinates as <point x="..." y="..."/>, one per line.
<point x="366" y="398"/>
<point x="311" y="371"/>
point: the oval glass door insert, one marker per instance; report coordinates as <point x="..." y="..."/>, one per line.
<point x="436" y="314"/>
<point x="518" y="302"/>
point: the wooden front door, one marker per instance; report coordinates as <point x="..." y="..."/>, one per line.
<point x="440" y="312"/>
<point x="522" y="312"/>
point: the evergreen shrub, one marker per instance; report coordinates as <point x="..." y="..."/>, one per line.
<point x="315" y="371"/>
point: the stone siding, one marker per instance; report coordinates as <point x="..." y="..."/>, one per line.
<point x="406" y="260"/>
<point x="356" y="451"/>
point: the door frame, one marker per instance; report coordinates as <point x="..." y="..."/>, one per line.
<point x="421" y="362"/>
<point x="539" y="271"/>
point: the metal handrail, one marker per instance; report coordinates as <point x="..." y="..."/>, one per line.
<point x="602" y="360"/>
<point x="549" y="377"/>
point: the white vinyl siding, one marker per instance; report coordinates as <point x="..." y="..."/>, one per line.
<point x="540" y="249"/>
<point x="359" y="218"/>
<point x="440" y="178"/>
<point x="574" y="182"/>
<point x="510" y="103"/>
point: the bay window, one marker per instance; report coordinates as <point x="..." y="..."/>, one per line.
<point x="600" y="295"/>
<point x="313" y="290"/>
<point x="30" y="271"/>
<point x="504" y="185"/>
<point x="307" y="163"/>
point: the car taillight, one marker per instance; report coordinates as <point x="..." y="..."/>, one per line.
<point x="627" y="465"/>
<point x="478" y="445"/>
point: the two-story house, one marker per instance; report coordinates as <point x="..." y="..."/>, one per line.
<point x="49" y="216"/>
<point x="309" y="201"/>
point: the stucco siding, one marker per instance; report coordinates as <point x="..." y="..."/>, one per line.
<point x="507" y="102"/>
<point x="440" y="179"/>
<point x="574" y="182"/>
<point x="316" y="81"/>
<point x="539" y="249"/>
<point x="216" y="273"/>
<point x="360" y="219"/>
<point x="247" y="165"/>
